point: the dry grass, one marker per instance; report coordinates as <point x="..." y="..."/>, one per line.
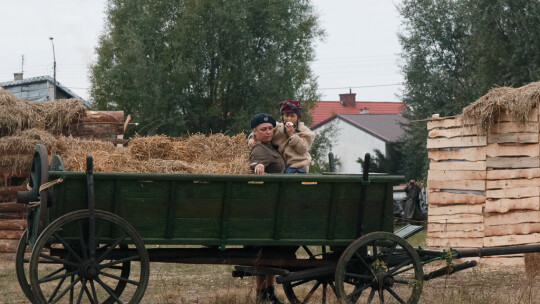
<point x="182" y="284"/>
<point x="516" y="101"/>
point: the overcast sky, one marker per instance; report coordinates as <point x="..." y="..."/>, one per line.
<point x="360" y="51"/>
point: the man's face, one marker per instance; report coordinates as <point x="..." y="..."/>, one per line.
<point x="264" y="132"/>
<point x="292" y="117"/>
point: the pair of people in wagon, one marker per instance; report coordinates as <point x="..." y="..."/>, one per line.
<point x="277" y="148"/>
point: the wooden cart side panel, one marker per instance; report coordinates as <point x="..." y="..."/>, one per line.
<point x="215" y="212"/>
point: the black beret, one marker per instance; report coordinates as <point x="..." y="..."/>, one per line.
<point x="260" y="118"/>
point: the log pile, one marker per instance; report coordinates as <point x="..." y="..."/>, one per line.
<point x="484" y="187"/>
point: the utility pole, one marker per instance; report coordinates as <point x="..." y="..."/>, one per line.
<point x="54" y="69"/>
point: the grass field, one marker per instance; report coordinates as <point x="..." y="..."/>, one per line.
<point x="181" y="283"/>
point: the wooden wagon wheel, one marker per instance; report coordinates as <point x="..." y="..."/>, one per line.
<point x="319" y="286"/>
<point x="63" y="264"/>
<point x="21" y="267"/>
<point x="383" y="265"/>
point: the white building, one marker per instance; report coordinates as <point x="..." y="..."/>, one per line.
<point x="358" y="134"/>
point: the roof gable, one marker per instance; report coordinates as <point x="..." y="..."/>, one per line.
<point x="326" y="109"/>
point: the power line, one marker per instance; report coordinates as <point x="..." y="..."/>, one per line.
<point x="367" y="86"/>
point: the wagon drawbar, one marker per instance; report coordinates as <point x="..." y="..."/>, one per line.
<point x="92" y="235"/>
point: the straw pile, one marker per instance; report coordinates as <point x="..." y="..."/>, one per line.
<point x="196" y="154"/>
<point x="518" y="101"/>
<point x="53" y="116"/>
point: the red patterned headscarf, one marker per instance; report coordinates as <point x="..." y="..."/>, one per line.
<point x="291" y="106"/>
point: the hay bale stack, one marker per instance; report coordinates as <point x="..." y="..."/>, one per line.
<point x="496" y="139"/>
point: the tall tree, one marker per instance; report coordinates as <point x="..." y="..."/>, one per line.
<point x="454" y="51"/>
<point x="203" y="65"/>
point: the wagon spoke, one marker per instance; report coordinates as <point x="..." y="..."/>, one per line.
<point x="357" y="291"/>
<point x="57" y="260"/>
<point x="364" y="262"/>
<point x="109" y="290"/>
<point x="393" y="293"/>
<point x="71" y="291"/>
<point x="310" y="293"/>
<point x="81" y="292"/>
<point x="381" y="296"/>
<point x="66" y="245"/>
<point x="70" y="287"/>
<point x="56" y="289"/>
<point x="119" y="278"/>
<point x="401" y="281"/>
<point x="401" y="265"/>
<point x="332" y="287"/>
<point x="324" y="293"/>
<point x="94" y="290"/>
<point x="374" y="247"/>
<point x="111" y="247"/>
<point x="128" y="259"/>
<point x="88" y="294"/>
<point x="53" y="278"/>
<point x="300" y="282"/>
<point x="371" y="295"/>
<point x="54" y="272"/>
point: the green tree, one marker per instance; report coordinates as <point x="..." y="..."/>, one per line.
<point x="203" y="65"/>
<point x="321" y="146"/>
<point x="391" y="162"/>
<point x="454" y="51"/>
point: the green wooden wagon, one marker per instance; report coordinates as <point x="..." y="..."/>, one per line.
<point x="92" y="236"/>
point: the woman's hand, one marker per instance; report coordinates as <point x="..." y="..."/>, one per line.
<point x="289" y="128"/>
<point x="251" y="142"/>
<point x="259" y="169"/>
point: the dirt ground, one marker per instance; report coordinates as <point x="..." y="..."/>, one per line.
<point x="180" y="283"/>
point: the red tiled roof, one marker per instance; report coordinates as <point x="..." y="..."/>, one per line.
<point x="326" y="109"/>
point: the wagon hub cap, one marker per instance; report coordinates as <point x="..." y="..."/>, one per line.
<point x="383" y="279"/>
<point x="89" y="271"/>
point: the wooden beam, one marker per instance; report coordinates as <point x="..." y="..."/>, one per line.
<point x="116" y="141"/>
<point x="12" y="207"/>
<point x="453" y="132"/>
<point x="471" y="141"/>
<point x="479" y="185"/>
<point x="513" y="162"/>
<point x="513" y="173"/>
<point x="103" y="116"/>
<point x="512" y="240"/>
<point x="507" y="204"/>
<point x="448" y="122"/>
<point x="11" y="234"/>
<point x="457" y="165"/>
<point x="456" y="175"/>
<point x="456" y="227"/>
<point x="512" y="127"/>
<point x="512" y="183"/>
<point x="455" y="234"/>
<point x="96" y="129"/>
<point x="513" y="193"/>
<point x="470" y="154"/>
<point x="495" y="219"/>
<point x="494" y="150"/>
<point x="512" y="229"/>
<point x="454" y="209"/>
<point x="518" y="138"/>
<point x="448" y="198"/>
<point x="456" y="218"/>
<point x="455" y="242"/>
<point x="17" y="224"/>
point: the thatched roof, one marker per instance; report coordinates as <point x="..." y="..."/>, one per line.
<point x="517" y="102"/>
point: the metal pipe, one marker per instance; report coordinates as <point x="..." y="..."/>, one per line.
<point x="54" y="69"/>
<point x="331" y="163"/>
<point x="501" y="250"/>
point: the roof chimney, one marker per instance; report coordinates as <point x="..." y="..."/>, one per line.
<point x="348" y="98"/>
<point x="18" y="76"/>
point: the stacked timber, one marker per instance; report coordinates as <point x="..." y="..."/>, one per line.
<point x="12" y="222"/>
<point x="512" y="214"/>
<point x="456" y="184"/>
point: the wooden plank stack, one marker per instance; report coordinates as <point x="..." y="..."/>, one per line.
<point x="484" y="190"/>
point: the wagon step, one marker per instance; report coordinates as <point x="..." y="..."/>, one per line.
<point x="307" y="274"/>
<point x="449" y="270"/>
<point x="409" y="230"/>
<point x="243" y="271"/>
